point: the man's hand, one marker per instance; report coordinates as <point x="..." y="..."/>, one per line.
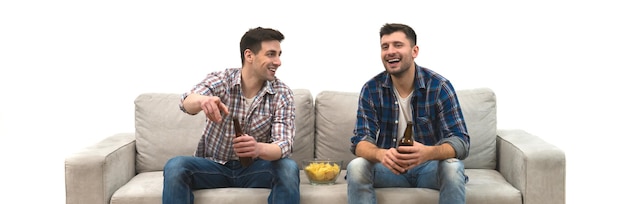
<point x="392" y="162"/>
<point x="412" y="156"/>
<point x="395" y="161"/>
<point x="213" y="108"/>
<point x="246" y="146"/>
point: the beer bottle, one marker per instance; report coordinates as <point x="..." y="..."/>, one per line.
<point x="407" y="139"/>
<point x="245" y="161"/>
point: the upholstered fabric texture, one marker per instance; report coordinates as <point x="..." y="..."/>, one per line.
<point x="163" y="130"/>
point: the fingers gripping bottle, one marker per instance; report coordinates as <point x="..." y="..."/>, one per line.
<point x="245" y="161"/>
<point x="407" y="139"/>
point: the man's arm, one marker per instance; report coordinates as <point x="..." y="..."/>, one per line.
<point x="387" y="157"/>
<point x="441" y="152"/>
<point x="420" y="153"/>
<point x="369" y="151"/>
<point x="247" y="146"/>
<point x="191" y="104"/>
<point x="269" y="151"/>
<point x="452" y="122"/>
<point x="283" y="129"/>
<point x="211" y="105"/>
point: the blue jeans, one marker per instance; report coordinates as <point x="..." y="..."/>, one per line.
<point x="183" y="174"/>
<point x="447" y="176"/>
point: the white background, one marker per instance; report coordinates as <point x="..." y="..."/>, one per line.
<point x="70" y="70"/>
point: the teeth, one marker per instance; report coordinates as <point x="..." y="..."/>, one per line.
<point x="393" y="60"/>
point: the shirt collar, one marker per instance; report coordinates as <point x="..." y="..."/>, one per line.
<point x="267" y="88"/>
<point x="419" y="76"/>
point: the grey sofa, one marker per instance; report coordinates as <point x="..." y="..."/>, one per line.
<point x="504" y="166"/>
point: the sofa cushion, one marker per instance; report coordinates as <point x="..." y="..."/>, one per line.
<point x="479" y="109"/>
<point x="164" y="131"/>
<point x="336" y="117"/>
<point x="303" y="144"/>
<point x="485" y="186"/>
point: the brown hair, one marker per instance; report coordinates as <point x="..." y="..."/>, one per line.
<point x="390" y="28"/>
<point x="253" y="38"/>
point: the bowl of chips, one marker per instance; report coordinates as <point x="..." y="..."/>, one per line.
<point x="322" y="171"/>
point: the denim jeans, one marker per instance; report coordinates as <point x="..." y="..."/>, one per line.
<point x="183" y="174"/>
<point x="447" y="176"/>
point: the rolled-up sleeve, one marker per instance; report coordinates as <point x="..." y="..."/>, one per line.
<point x="208" y="86"/>
<point x="283" y="125"/>
<point x="453" y="122"/>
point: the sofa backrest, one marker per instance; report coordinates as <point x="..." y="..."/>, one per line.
<point x="335" y="116"/>
<point x="324" y="125"/>
<point x="304" y="141"/>
<point x="479" y="109"/>
<point x="163" y="131"/>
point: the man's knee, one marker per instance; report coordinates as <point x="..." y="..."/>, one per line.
<point x="358" y="167"/>
<point x="175" y="167"/>
<point x="453" y="164"/>
<point x="452" y="169"/>
<point x="175" y="163"/>
<point x="357" y="164"/>
<point x="286" y="166"/>
<point x="286" y="163"/>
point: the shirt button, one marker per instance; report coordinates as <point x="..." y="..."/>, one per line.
<point x="396" y="121"/>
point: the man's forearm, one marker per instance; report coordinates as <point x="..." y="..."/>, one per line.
<point x="369" y="151"/>
<point x="443" y="151"/>
<point x="191" y="104"/>
<point x="269" y="151"/>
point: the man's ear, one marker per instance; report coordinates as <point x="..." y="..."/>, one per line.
<point x="416" y="50"/>
<point x="248" y="55"/>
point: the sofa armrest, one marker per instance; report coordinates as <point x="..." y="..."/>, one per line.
<point x="94" y="173"/>
<point x="532" y="165"/>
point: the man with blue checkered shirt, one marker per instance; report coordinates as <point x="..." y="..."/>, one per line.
<point x="406" y="93"/>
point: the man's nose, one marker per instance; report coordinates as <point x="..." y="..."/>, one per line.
<point x="277" y="61"/>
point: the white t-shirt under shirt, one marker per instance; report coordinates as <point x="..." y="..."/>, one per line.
<point x="248" y="102"/>
<point x="405" y="112"/>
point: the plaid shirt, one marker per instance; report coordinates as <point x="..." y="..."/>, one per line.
<point x="437" y="116"/>
<point x="270" y="119"/>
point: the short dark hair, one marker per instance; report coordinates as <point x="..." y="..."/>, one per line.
<point x="253" y="38"/>
<point x="390" y="28"/>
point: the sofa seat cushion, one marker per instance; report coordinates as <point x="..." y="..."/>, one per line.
<point x="485" y="187"/>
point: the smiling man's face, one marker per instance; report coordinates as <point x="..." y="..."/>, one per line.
<point x="397" y="53"/>
<point x="267" y="61"/>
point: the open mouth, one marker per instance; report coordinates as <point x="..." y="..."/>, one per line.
<point x="393" y="61"/>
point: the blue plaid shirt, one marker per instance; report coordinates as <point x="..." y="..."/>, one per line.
<point x="437" y="116"/>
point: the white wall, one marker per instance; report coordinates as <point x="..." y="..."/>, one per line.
<point x="70" y="70"/>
